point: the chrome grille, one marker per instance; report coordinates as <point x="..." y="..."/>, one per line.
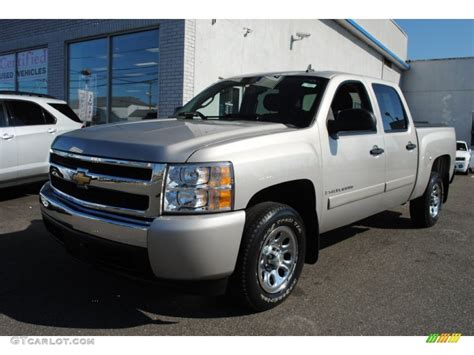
<point x="117" y="186"/>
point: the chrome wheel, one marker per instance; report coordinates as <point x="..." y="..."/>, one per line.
<point x="277" y="259"/>
<point x="435" y="200"/>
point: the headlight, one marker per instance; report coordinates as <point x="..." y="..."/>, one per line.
<point x="193" y="188"/>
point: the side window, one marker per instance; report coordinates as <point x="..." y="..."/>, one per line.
<point x="25" y="113"/>
<point x="66" y="111"/>
<point x="350" y="96"/>
<point x="3" y="116"/>
<point x="391" y="108"/>
<point x="48" y="118"/>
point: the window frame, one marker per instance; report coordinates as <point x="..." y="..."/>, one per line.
<point x="10" y="115"/>
<point x="108" y="37"/>
<point x="405" y="112"/>
<point x="355" y="133"/>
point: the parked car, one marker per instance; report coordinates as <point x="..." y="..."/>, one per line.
<point x="463" y="157"/>
<point x="235" y="190"/>
<point x="28" y="125"/>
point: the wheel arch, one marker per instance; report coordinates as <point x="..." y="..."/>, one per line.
<point x="300" y="195"/>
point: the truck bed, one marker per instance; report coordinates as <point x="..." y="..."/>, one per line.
<point x="433" y="141"/>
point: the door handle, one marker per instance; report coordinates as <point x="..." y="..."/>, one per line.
<point x="7" y="136"/>
<point x="376" y="151"/>
<point x="51" y="130"/>
<point x="410" y="146"/>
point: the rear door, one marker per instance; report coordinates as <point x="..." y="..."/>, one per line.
<point x="400" y="145"/>
<point x="8" y="151"/>
<point x="35" y="131"/>
<point x="353" y="163"/>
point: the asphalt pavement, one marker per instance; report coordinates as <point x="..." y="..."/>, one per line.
<point x="380" y="276"/>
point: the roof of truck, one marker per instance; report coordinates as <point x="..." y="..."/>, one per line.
<point x="321" y="74"/>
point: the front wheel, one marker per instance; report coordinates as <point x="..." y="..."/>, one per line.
<point x="271" y="256"/>
<point x="425" y="210"/>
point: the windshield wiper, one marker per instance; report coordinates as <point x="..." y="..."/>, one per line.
<point x="191" y="115"/>
<point x="238" y="116"/>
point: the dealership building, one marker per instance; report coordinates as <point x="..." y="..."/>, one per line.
<point x="126" y="70"/>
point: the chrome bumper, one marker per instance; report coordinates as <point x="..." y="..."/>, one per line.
<point x="115" y="230"/>
<point x="181" y="247"/>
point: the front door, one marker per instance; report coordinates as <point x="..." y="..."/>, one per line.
<point x="35" y="131"/>
<point x="354" y="164"/>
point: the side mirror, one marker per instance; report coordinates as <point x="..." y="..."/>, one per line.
<point x="350" y="120"/>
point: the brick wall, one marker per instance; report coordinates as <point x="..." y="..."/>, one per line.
<point x="189" y="60"/>
<point x="23" y="34"/>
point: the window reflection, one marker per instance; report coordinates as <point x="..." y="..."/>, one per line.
<point x="88" y="80"/>
<point x="135" y="76"/>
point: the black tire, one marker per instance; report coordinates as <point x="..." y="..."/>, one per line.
<point x="420" y="208"/>
<point x="261" y="221"/>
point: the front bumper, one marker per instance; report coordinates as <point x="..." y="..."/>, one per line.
<point x="461" y="166"/>
<point x="197" y="247"/>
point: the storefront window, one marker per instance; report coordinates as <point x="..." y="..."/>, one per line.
<point x="135" y="76"/>
<point x="7" y="72"/>
<point x="132" y="78"/>
<point x="25" y="71"/>
<point x="32" y="71"/>
<point x="88" y="80"/>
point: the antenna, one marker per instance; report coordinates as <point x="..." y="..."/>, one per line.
<point x="309" y="69"/>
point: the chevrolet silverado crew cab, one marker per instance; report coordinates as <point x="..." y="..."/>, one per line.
<point x="236" y="189"/>
<point x="29" y="123"/>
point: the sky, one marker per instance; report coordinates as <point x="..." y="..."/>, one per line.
<point x="431" y="39"/>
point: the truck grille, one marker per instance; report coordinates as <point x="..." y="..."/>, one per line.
<point x="116" y="186"/>
<point x="105" y="169"/>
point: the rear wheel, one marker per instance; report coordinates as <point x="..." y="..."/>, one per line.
<point x="425" y="210"/>
<point x="271" y="256"/>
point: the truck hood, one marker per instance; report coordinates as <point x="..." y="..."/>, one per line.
<point x="161" y="140"/>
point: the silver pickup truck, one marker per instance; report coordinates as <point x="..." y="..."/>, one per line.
<point x="234" y="191"/>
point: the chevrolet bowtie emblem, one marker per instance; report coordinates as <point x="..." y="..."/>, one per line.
<point x="81" y="178"/>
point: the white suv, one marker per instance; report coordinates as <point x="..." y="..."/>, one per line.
<point x="28" y="125"/>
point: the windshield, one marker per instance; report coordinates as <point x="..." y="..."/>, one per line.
<point x="291" y="100"/>
<point x="461" y="146"/>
